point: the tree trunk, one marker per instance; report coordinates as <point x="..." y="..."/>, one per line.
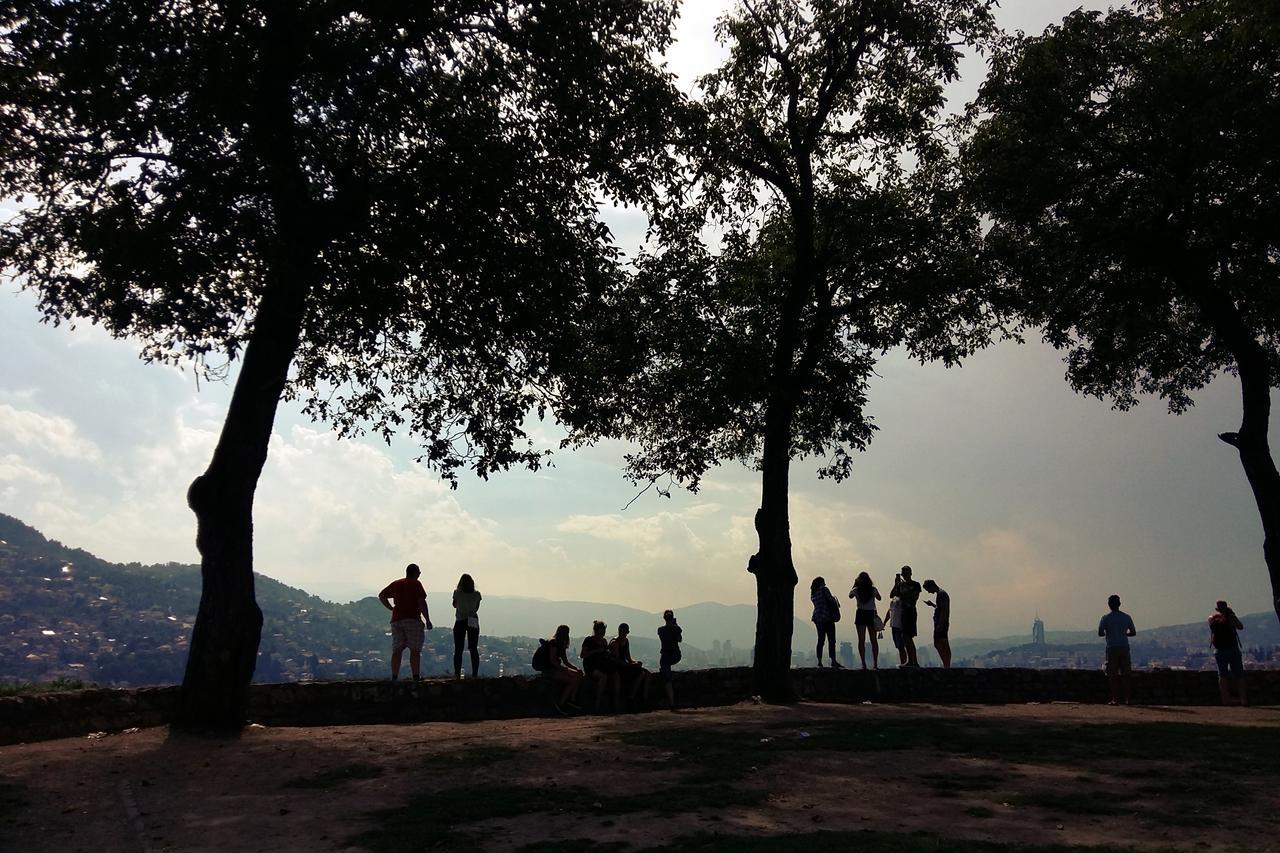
<point x="1255" y="457"/>
<point x="224" y="643"/>
<point x="775" y="573"/>
<point x="1254" y="370"/>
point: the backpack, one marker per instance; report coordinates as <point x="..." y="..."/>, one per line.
<point x="542" y="657"/>
<point x="834" y="604"/>
<point x="1222" y="634"/>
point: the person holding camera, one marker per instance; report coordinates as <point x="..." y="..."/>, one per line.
<point x="907" y="592"/>
<point x="1224" y="628"/>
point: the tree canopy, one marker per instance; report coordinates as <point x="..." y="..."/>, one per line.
<point x="816" y="226"/>
<point x="1129" y="166"/>
<point x="388" y="211"/>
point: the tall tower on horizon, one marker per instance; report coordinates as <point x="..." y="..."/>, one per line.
<point x="1037" y="631"/>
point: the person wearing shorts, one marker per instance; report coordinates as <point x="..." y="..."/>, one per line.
<point x="1117" y="627"/>
<point x="407" y="601"/>
<point x="864" y="592"/>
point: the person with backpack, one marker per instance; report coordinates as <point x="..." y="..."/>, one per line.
<point x="670" y="637"/>
<point x="826" y="613"/>
<point x="865" y="618"/>
<point x="552" y="661"/>
<point x="1224" y="628"/>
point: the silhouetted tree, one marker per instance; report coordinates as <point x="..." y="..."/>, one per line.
<point x="1130" y="164"/>
<point x="386" y="210"/>
<point x="815" y="154"/>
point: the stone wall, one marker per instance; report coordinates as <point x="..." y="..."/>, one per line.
<point x="77" y="713"/>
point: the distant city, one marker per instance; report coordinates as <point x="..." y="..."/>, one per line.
<point x="65" y="614"/>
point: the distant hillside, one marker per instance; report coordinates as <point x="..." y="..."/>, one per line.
<point x="65" y="613"/>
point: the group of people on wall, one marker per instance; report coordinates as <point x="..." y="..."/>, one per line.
<point x="606" y="663"/>
<point x="900" y="618"/>
<point x="609" y="666"/>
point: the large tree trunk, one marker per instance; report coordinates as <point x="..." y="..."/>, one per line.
<point x="1251" y="442"/>
<point x="775" y="573"/>
<point x="1255" y="457"/>
<point x="224" y="643"/>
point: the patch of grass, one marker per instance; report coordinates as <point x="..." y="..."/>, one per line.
<point x="332" y="777"/>
<point x="1082" y="803"/>
<point x="574" y="845"/>
<point x="27" y="688"/>
<point x="951" y="785"/>
<point x="897" y="842"/>
<point x="683" y="797"/>
<point x="431" y="818"/>
<point x="13" y="798"/>
<point x="475" y="756"/>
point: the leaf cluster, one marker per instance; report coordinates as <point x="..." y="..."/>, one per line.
<point x="451" y="159"/>
<point x="1129" y="165"/>
<point x="818" y="225"/>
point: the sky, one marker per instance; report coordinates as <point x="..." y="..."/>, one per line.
<point x="1019" y="496"/>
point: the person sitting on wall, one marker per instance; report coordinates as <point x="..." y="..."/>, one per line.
<point x="552" y="660"/>
<point x="634" y="677"/>
<point x="600" y="665"/>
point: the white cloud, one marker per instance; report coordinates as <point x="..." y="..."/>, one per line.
<point x="51" y="434"/>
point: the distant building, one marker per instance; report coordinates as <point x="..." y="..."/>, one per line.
<point x="846" y="654"/>
<point x="1037" y="632"/>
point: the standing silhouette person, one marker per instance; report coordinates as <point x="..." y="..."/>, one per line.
<point x="866" y="594"/>
<point x="408" y="613"/>
<point x="466" y="624"/>
<point x="1117" y="627"/>
<point x="670" y="637"/>
<point x="1224" y="626"/>
<point x="907" y="592"/>
<point x="941" y="621"/>
<point x="826" y="612"/>
<point x="893" y="620"/>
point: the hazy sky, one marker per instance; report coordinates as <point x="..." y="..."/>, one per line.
<point x="996" y="479"/>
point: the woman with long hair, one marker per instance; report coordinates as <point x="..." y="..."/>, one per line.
<point x="826" y="612"/>
<point x="466" y="624"/>
<point x="866" y="594"/>
<point x="600" y="665"/>
<point x="552" y="660"/>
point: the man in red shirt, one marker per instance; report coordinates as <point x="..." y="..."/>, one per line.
<point x="407" y="616"/>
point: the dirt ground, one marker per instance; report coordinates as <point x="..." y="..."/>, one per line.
<point x="276" y="789"/>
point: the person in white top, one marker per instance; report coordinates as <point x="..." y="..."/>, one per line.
<point x="895" y="627"/>
<point x="466" y="624"/>
<point x="866" y="594"/>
